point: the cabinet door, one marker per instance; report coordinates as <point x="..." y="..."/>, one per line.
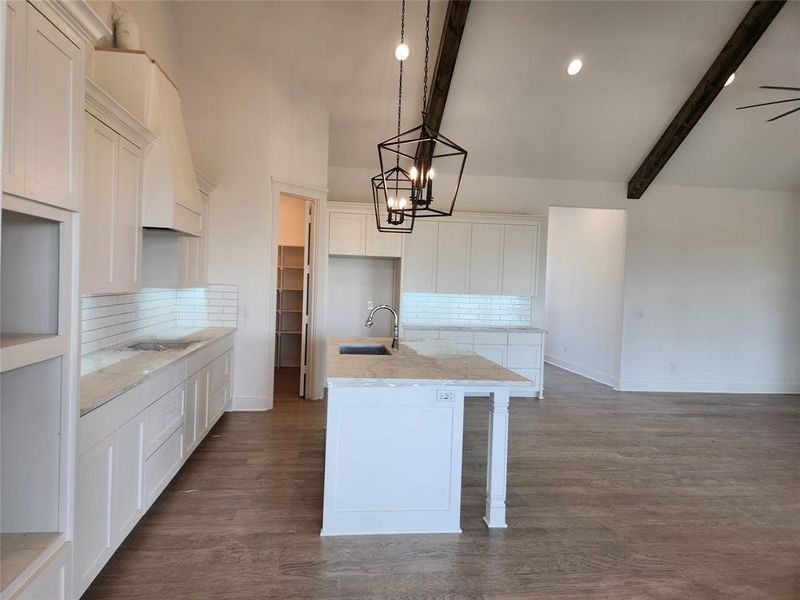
<point x="129" y="477"/>
<point x="14" y="99"/>
<point x="486" y="259"/>
<point x="98" y="226"/>
<point x="520" y="250"/>
<point x="53" y="581"/>
<point x="346" y="234"/>
<point x="201" y="406"/>
<point x="419" y="258"/>
<point x="382" y="244"/>
<point x="94" y="509"/>
<point x="128" y="220"/>
<point x="452" y="263"/>
<point x="190" y="416"/>
<point x="54" y="72"/>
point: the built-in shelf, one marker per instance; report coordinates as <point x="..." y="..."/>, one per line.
<point x="22" y="349"/>
<point x="21" y="552"/>
<point x="290" y="310"/>
<point x="298" y="268"/>
<point x="289" y="333"/>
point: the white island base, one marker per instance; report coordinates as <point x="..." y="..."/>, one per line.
<point x="394" y="451"/>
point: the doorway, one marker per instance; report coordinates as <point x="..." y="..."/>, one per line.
<point x="293" y="304"/>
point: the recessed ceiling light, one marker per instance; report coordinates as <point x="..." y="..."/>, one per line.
<point x="730" y="80"/>
<point x="575" y="66"/>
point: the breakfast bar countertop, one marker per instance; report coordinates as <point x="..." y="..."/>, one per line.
<point x="422" y="362"/>
<point x="107" y="373"/>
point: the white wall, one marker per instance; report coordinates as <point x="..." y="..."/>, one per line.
<point x="292" y="226"/>
<point x="352" y="282"/>
<point x="712" y="291"/>
<point x="585" y="269"/>
<point x="244" y="127"/>
<point x="713" y="273"/>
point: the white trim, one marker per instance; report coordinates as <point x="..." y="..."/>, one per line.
<point x="700" y="387"/>
<point x="316" y="380"/>
<point x="583" y="371"/>
<point x="80" y="17"/>
<point x="204" y="184"/>
<point x="101" y="105"/>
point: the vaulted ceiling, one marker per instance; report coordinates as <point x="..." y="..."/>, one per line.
<point x="515" y="109"/>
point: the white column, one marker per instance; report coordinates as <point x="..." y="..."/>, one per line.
<point x="497" y="462"/>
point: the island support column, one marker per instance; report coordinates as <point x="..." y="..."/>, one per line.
<point x="497" y="461"/>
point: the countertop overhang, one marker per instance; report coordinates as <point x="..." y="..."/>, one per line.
<point x="113" y="371"/>
<point x="415" y="363"/>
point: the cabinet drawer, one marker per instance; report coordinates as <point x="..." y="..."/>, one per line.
<point x="491" y="337"/>
<point x="459" y="337"/>
<point x="523" y="357"/>
<point x="160" y="468"/>
<point x="218" y="371"/>
<point x="493" y="352"/>
<point x="533" y="374"/>
<point x="525" y="339"/>
<point x="216" y="404"/>
<point x="163" y="417"/>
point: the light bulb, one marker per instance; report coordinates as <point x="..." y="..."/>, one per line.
<point x="413" y="173"/>
<point x="575" y="66"/>
<point x="401" y="52"/>
<point x="390" y="203"/>
<point x="431" y="173"/>
<point x="402" y="203"/>
<point x="730" y="80"/>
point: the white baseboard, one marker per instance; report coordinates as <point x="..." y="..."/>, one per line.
<point x="582" y="370"/>
<point x="637" y="385"/>
<point x="250" y="403"/>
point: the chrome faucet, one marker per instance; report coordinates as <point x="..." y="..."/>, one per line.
<point x="370" y="321"/>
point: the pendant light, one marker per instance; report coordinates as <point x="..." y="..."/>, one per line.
<point x="391" y="189"/>
<point x="414" y="153"/>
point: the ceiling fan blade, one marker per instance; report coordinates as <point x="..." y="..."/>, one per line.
<point x="768" y="103"/>
<point x="778" y="87"/>
<point x="784" y="114"/>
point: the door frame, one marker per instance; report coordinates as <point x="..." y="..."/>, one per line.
<point x="315" y="380"/>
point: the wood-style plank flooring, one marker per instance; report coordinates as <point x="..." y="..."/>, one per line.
<point x="611" y="496"/>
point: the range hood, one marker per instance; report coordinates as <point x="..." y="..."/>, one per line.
<point x="170" y="196"/>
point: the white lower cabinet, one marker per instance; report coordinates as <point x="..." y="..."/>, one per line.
<point x="130" y="449"/>
<point x="518" y="351"/>
<point x="54" y="579"/>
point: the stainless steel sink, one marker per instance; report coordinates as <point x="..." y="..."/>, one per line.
<point x="364" y="349"/>
<point x="161" y="345"/>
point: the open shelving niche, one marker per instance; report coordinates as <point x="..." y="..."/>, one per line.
<point x="289" y="313"/>
<point x="38" y="389"/>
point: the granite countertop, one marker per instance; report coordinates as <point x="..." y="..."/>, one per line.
<point x="107" y="373"/>
<point x="424" y="362"/>
<point x="476" y="328"/>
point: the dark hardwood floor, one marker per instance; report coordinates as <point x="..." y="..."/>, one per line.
<point x="611" y="495"/>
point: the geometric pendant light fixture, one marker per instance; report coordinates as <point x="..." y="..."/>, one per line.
<point x="423" y="155"/>
<point x="392" y="188"/>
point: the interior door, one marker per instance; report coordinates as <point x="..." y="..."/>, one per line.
<point x="305" y="324"/>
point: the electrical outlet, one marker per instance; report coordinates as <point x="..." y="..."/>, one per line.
<point x="370" y="305"/>
<point x="446" y="396"/>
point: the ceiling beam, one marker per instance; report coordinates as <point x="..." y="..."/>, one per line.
<point x="748" y="32"/>
<point x="449" y="43"/>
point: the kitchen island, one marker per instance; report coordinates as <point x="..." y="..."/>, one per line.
<point x="394" y="435"/>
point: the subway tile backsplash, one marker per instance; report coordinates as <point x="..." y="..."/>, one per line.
<point x="462" y="310"/>
<point x="113" y="319"/>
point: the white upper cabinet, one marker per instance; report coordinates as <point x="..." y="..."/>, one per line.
<point x="347" y="234"/>
<point x="379" y="243"/>
<point x="193" y="252"/>
<point x="419" y="264"/>
<point x="520" y="255"/>
<point x="43" y="106"/>
<point x="111" y="229"/>
<point x="486" y="259"/>
<point x="170" y="197"/>
<point x="453" y="258"/>
<point x="14" y="105"/>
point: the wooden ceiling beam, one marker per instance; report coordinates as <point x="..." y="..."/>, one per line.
<point x="748" y="32"/>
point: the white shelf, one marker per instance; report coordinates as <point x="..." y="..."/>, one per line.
<point x="22" y="554"/>
<point x="22" y="349"/>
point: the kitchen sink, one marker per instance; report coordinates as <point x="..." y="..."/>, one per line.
<point x="161" y="345"/>
<point x="364" y="349"/>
